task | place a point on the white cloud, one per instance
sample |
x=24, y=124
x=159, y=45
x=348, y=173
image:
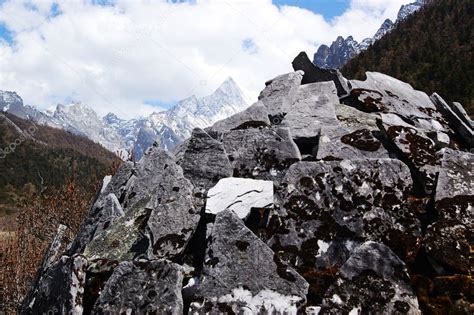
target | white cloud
x=115, y=57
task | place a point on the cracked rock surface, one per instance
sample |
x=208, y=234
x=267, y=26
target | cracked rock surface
x=327, y=195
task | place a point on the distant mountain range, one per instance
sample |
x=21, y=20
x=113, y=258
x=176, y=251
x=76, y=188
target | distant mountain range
x=121, y=136
x=342, y=50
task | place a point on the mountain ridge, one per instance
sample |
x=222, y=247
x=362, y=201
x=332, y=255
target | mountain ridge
x=169, y=127
x=342, y=50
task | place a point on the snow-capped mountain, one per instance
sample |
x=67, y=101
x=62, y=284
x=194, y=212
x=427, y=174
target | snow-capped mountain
x=409, y=9
x=13, y=103
x=118, y=135
x=342, y=50
x=171, y=127
x=82, y=120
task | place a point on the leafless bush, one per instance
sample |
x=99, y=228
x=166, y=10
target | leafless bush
x=22, y=251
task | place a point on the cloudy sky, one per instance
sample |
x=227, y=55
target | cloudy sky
x=133, y=57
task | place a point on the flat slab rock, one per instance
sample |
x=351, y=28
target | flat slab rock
x=459, y=110
x=372, y=281
x=337, y=143
x=142, y=287
x=242, y=274
x=255, y=115
x=382, y=93
x=239, y=195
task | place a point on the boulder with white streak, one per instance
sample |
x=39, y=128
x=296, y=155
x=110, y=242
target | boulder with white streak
x=239, y=195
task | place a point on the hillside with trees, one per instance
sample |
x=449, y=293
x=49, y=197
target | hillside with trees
x=432, y=50
x=35, y=159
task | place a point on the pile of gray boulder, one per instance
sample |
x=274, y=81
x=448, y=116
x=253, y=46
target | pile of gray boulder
x=326, y=196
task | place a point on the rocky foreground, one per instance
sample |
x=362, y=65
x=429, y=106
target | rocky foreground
x=327, y=195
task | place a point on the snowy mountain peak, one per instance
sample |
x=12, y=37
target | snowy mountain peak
x=409, y=9
x=386, y=27
x=8, y=99
x=169, y=128
x=111, y=119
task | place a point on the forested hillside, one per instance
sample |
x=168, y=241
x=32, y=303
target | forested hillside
x=36, y=158
x=432, y=50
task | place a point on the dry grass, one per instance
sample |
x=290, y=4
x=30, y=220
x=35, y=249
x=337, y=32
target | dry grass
x=22, y=251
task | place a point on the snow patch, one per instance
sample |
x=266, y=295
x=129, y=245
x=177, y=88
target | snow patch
x=271, y=301
x=105, y=183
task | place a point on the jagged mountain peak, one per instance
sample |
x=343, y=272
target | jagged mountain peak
x=111, y=118
x=342, y=50
x=169, y=127
x=409, y=9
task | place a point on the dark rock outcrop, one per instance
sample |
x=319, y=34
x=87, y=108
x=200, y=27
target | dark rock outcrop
x=295, y=205
x=314, y=74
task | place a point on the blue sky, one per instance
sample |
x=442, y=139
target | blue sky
x=328, y=8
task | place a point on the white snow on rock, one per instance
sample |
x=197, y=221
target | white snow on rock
x=271, y=301
x=239, y=195
x=105, y=182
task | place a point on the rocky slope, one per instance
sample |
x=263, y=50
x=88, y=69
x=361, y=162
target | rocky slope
x=170, y=127
x=342, y=50
x=326, y=196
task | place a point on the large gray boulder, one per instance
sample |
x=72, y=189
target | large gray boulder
x=142, y=287
x=280, y=93
x=204, y=160
x=353, y=196
x=313, y=109
x=372, y=281
x=105, y=209
x=329, y=207
x=447, y=244
x=262, y=153
x=159, y=219
x=382, y=93
x=242, y=274
x=352, y=118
